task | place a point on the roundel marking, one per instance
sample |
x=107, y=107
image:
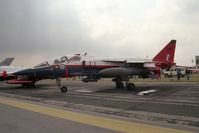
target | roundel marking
x=62, y=66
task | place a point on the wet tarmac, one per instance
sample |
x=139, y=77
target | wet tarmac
x=169, y=104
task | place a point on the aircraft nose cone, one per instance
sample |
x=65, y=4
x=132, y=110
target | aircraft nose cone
x=27, y=72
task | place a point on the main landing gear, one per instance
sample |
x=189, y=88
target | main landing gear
x=129, y=86
x=63, y=89
x=119, y=84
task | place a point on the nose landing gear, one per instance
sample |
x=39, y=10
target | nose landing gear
x=63, y=89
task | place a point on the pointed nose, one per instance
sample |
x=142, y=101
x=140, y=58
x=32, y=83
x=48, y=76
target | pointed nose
x=27, y=72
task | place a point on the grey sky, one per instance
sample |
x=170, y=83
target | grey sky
x=35, y=30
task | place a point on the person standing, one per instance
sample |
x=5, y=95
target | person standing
x=188, y=74
x=178, y=73
x=158, y=73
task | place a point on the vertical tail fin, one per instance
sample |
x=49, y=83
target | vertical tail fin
x=7, y=61
x=166, y=56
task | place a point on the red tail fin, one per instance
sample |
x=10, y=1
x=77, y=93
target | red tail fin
x=166, y=56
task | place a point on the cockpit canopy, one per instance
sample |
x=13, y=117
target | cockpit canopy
x=60, y=60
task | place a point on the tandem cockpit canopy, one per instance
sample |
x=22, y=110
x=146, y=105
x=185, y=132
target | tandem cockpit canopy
x=60, y=60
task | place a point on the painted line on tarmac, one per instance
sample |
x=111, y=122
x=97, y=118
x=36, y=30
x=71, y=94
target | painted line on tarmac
x=146, y=92
x=86, y=91
x=107, y=123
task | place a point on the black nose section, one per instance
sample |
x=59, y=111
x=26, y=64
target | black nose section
x=45, y=72
x=26, y=72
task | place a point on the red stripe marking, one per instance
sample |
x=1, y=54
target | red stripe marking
x=66, y=71
x=19, y=81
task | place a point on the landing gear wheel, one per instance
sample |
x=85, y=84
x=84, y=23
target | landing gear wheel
x=63, y=89
x=119, y=85
x=130, y=86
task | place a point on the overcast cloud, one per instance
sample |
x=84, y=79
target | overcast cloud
x=35, y=30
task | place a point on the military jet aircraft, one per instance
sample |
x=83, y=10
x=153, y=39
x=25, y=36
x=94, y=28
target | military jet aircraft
x=6, y=72
x=5, y=67
x=94, y=68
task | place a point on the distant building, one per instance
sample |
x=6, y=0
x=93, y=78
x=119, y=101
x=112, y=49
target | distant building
x=197, y=60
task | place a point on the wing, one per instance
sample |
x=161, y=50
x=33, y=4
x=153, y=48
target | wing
x=133, y=63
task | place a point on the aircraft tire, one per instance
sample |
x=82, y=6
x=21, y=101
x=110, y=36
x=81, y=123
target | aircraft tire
x=119, y=85
x=131, y=86
x=64, y=89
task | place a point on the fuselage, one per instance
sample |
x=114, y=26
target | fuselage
x=120, y=69
x=78, y=65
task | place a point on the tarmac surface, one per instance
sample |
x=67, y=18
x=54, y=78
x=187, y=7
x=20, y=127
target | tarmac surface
x=13, y=121
x=169, y=104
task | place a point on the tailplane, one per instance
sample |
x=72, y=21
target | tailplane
x=165, y=58
x=7, y=61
